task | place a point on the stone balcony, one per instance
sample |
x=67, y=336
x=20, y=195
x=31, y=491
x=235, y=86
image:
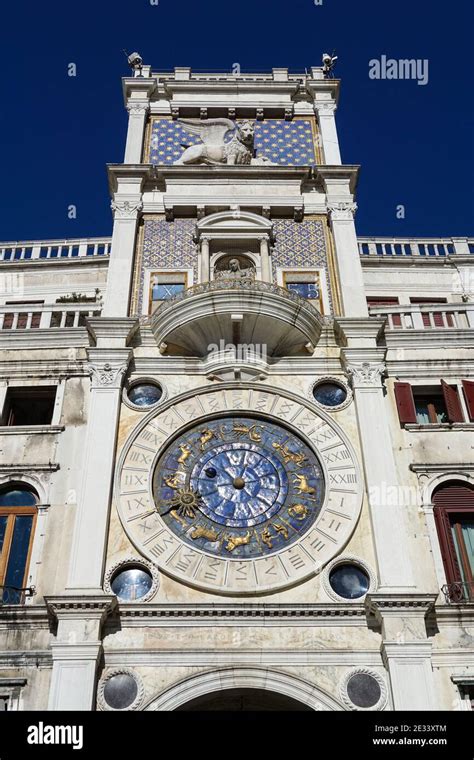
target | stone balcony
x=214, y=314
x=452, y=316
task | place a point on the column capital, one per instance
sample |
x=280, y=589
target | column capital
x=325, y=107
x=365, y=374
x=107, y=374
x=138, y=108
x=126, y=209
x=342, y=211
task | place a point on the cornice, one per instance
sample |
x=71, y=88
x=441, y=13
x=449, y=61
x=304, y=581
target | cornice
x=430, y=338
x=32, y=430
x=81, y=606
x=145, y=86
x=52, y=337
x=24, y=616
x=359, y=328
x=132, y=615
x=381, y=604
x=432, y=367
x=112, y=329
x=102, y=260
x=26, y=659
x=349, y=172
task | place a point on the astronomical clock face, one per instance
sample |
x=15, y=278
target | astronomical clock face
x=238, y=487
x=238, y=502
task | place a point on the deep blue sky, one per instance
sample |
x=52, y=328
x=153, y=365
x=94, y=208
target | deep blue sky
x=414, y=142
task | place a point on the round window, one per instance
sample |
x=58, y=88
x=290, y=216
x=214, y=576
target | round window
x=349, y=581
x=363, y=690
x=131, y=583
x=329, y=394
x=145, y=394
x=120, y=691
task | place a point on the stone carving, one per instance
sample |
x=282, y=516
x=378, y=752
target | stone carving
x=342, y=211
x=107, y=375
x=138, y=109
x=126, y=209
x=366, y=373
x=213, y=150
x=234, y=271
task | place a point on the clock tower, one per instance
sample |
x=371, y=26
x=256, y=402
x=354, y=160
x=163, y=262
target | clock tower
x=257, y=522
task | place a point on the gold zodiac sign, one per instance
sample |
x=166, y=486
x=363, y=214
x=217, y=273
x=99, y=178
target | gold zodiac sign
x=206, y=436
x=234, y=541
x=252, y=432
x=185, y=453
x=281, y=529
x=298, y=511
x=179, y=519
x=201, y=532
x=266, y=538
x=174, y=481
x=184, y=504
x=290, y=456
x=303, y=486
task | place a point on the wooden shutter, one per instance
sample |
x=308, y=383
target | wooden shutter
x=453, y=499
x=468, y=387
x=453, y=404
x=405, y=404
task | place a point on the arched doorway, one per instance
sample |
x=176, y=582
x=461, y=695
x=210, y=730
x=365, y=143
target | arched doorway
x=243, y=689
x=244, y=700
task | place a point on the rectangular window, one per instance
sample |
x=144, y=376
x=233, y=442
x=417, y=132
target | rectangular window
x=462, y=531
x=27, y=307
x=373, y=301
x=166, y=285
x=428, y=405
x=29, y=406
x=305, y=284
x=434, y=318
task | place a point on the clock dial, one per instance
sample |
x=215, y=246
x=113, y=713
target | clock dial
x=238, y=502
x=238, y=487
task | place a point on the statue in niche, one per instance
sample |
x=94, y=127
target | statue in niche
x=232, y=270
x=213, y=150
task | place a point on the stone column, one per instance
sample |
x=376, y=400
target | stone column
x=205, y=260
x=126, y=208
x=136, y=130
x=107, y=367
x=405, y=648
x=265, y=260
x=351, y=281
x=386, y=510
x=327, y=124
x=77, y=649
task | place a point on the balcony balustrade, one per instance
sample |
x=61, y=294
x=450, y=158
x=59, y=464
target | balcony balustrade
x=48, y=250
x=45, y=317
x=458, y=316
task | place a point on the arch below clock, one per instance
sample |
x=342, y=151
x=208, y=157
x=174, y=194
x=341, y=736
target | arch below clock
x=186, y=693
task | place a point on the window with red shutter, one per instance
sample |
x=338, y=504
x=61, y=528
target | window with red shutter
x=454, y=517
x=468, y=387
x=453, y=404
x=405, y=404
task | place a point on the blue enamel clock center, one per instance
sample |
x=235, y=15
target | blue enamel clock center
x=239, y=487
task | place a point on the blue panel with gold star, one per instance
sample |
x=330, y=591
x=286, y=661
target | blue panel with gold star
x=288, y=143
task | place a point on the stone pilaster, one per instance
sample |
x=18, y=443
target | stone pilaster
x=77, y=649
x=327, y=125
x=126, y=208
x=405, y=648
x=136, y=129
x=365, y=370
x=108, y=363
x=351, y=283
